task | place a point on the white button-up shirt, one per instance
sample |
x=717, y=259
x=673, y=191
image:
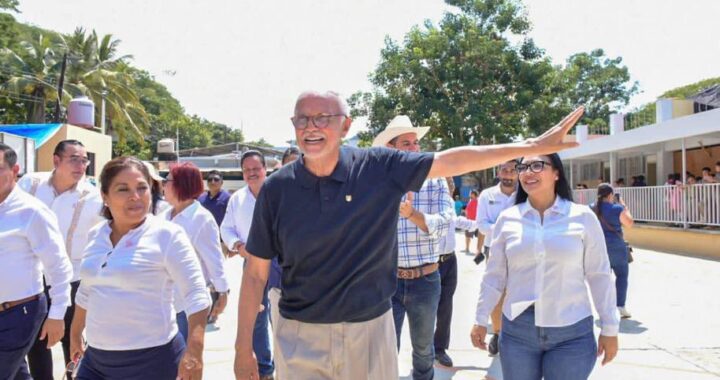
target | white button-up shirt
x=30, y=244
x=200, y=227
x=64, y=205
x=547, y=264
x=447, y=242
x=127, y=289
x=238, y=217
x=491, y=203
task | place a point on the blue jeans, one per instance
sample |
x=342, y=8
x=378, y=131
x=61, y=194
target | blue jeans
x=530, y=352
x=419, y=299
x=19, y=328
x=261, y=339
x=622, y=271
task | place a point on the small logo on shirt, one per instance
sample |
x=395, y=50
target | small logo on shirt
x=348, y=198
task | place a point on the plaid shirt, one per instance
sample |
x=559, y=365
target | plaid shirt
x=416, y=247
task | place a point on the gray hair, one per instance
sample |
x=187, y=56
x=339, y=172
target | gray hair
x=341, y=102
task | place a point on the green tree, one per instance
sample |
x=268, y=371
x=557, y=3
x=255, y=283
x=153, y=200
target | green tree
x=467, y=80
x=31, y=73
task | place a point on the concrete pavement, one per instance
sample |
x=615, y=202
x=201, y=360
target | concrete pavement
x=674, y=332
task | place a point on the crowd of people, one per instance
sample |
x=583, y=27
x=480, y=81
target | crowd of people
x=340, y=246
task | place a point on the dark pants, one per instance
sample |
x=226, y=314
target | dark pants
x=448, y=283
x=419, y=299
x=622, y=272
x=157, y=363
x=40, y=357
x=261, y=338
x=19, y=328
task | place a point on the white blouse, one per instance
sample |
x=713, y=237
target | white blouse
x=200, y=226
x=127, y=290
x=548, y=264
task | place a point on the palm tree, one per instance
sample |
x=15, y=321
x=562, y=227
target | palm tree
x=98, y=72
x=31, y=73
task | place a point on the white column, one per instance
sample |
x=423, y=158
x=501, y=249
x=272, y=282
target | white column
x=613, y=167
x=684, y=180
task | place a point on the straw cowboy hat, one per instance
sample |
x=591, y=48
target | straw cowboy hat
x=400, y=125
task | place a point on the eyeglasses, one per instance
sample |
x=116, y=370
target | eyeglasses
x=319, y=121
x=214, y=179
x=535, y=166
x=78, y=160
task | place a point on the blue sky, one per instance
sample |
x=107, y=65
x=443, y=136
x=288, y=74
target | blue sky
x=243, y=63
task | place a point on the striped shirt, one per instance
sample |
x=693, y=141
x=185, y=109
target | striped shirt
x=416, y=247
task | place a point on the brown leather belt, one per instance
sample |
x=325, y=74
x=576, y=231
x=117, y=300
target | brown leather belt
x=416, y=272
x=10, y=304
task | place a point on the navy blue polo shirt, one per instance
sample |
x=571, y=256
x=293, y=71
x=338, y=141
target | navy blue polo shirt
x=216, y=205
x=336, y=237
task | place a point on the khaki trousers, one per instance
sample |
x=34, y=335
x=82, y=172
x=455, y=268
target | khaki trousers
x=336, y=351
x=274, y=297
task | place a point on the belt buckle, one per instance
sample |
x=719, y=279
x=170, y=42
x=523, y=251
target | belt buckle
x=4, y=306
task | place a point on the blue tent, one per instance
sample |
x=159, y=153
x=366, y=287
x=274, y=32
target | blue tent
x=38, y=132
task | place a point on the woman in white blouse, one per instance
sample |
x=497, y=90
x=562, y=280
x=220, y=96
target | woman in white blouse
x=131, y=265
x=183, y=185
x=543, y=252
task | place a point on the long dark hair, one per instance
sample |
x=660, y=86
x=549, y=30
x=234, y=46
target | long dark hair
x=562, y=186
x=603, y=190
x=112, y=168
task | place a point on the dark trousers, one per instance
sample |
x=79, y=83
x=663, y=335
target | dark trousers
x=40, y=357
x=448, y=283
x=19, y=328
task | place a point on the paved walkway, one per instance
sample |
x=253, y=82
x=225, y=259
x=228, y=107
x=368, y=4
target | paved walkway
x=674, y=332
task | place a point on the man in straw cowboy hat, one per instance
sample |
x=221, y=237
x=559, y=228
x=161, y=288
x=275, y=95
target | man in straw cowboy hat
x=424, y=220
x=331, y=219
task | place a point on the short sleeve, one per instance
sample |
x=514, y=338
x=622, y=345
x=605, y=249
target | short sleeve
x=261, y=239
x=407, y=169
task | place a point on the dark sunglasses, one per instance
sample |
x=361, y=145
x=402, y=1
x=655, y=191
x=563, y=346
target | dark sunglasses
x=214, y=179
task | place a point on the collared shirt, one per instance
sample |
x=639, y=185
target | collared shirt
x=336, y=237
x=30, y=245
x=415, y=246
x=64, y=206
x=447, y=242
x=547, y=264
x=236, y=227
x=491, y=203
x=127, y=289
x=217, y=205
x=198, y=224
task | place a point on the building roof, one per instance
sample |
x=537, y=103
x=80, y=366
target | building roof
x=226, y=149
x=41, y=133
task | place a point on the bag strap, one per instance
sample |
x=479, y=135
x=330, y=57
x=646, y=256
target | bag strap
x=609, y=227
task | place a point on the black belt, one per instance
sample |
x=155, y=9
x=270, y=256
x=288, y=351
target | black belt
x=10, y=304
x=445, y=257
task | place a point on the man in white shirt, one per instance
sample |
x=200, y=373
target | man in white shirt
x=491, y=203
x=234, y=231
x=424, y=221
x=31, y=242
x=77, y=205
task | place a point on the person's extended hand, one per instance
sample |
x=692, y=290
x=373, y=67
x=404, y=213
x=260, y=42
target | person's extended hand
x=219, y=305
x=246, y=367
x=477, y=336
x=191, y=364
x=53, y=329
x=609, y=346
x=406, y=208
x=238, y=249
x=77, y=349
x=553, y=139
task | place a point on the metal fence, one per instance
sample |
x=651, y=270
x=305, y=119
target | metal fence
x=685, y=205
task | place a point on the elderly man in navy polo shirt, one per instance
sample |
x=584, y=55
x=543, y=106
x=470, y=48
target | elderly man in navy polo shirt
x=424, y=220
x=331, y=219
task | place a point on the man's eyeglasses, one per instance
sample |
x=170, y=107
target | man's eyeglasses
x=78, y=160
x=535, y=166
x=214, y=179
x=319, y=121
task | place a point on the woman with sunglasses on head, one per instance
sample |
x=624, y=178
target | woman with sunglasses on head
x=132, y=264
x=182, y=186
x=543, y=252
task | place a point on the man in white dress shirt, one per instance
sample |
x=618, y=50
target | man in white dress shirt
x=77, y=205
x=234, y=231
x=31, y=244
x=491, y=203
